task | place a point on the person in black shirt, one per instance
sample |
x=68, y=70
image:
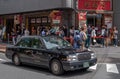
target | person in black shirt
x=13, y=36
x=65, y=30
x=18, y=33
x=88, y=41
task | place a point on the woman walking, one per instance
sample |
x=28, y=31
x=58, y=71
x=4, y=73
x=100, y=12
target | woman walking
x=115, y=36
x=93, y=35
x=83, y=37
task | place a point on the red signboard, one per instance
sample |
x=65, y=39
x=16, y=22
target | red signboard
x=82, y=15
x=56, y=16
x=94, y=5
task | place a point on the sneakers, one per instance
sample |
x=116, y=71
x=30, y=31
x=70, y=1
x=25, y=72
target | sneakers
x=102, y=46
x=88, y=49
x=116, y=46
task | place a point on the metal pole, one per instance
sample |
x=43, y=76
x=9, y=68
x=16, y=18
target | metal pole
x=8, y=38
x=94, y=20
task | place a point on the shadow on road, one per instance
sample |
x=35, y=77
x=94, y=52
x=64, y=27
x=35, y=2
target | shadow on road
x=46, y=71
x=112, y=60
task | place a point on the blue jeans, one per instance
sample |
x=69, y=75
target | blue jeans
x=76, y=46
x=115, y=42
x=88, y=42
x=103, y=41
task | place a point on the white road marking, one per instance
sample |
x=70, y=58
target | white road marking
x=2, y=60
x=112, y=68
x=93, y=67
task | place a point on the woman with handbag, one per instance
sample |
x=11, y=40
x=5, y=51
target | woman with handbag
x=93, y=35
x=83, y=37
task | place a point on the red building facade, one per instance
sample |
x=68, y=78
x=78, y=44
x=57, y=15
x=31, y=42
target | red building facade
x=98, y=12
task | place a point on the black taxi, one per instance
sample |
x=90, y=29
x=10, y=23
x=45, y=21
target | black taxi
x=52, y=52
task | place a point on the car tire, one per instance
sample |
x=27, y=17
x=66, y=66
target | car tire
x=56, y=67
x=16, y=60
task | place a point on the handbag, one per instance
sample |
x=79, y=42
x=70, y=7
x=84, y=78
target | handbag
x=94, y=40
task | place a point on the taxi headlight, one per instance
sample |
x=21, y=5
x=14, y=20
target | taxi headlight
x=93, y=55
x=72, y=58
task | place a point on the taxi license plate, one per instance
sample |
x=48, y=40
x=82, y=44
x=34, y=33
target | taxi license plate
x=86, y=64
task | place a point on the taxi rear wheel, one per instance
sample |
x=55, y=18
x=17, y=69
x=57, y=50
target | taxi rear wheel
x=16, y=60
x=56, y=67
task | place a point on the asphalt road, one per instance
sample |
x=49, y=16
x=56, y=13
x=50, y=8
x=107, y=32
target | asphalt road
x=108, y=67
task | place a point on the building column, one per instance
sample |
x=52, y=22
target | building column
x=26, y=22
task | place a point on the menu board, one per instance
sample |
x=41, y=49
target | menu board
x=38, y=20
x=44, y=20
x=33, y=20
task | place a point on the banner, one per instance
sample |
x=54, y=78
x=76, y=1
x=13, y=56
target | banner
x=17, y=19
x=94, y=5
x=56, y=16
x=82, y=15
x=82, y=18
x=108, y=21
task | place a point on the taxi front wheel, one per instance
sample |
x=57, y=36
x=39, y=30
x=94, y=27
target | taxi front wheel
x=16, y=60
x=56, y=67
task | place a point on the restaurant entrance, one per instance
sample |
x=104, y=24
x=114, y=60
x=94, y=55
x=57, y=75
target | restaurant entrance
x=95, y=20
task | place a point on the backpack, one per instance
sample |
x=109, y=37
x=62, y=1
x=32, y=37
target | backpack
x=89, y=31
x=83, y=37
x=78, y=40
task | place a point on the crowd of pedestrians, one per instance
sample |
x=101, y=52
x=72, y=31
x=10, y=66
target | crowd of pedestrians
x=43, y=31
x=89, y=35
x=80, y=38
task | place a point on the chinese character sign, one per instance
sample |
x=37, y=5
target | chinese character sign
x=56, y=16
x=82, y=15
x=82, y=18
x=16, y=19
x=94, y=4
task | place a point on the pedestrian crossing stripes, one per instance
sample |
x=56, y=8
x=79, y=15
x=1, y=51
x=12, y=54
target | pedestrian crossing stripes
x=111, y=68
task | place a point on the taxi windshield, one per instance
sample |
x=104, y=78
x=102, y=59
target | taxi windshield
x=54, y=41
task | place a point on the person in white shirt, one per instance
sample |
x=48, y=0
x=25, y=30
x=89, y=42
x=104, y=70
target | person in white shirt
x=105, y=36
x=26, y=32
x=93, y=35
